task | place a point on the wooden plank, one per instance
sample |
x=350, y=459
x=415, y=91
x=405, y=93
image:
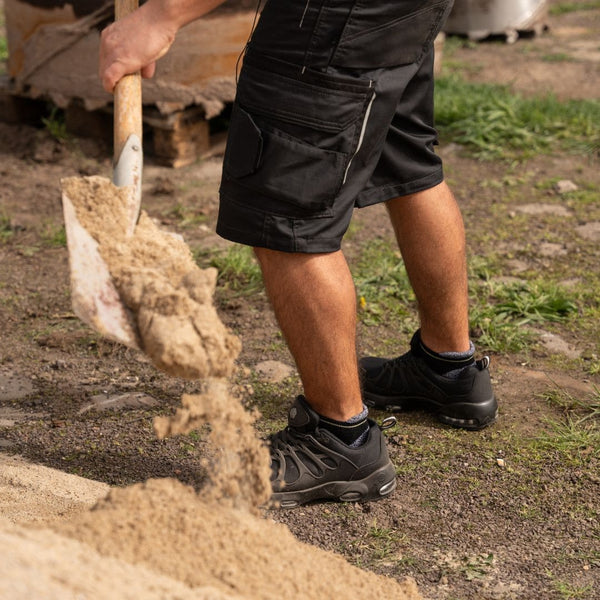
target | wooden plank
x=181, y=138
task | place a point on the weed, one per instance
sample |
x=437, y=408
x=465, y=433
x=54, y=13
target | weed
x=3, y=51
x=54, y=236
x=186, y=216
x=477, y=567
x=495, y=123
x=384, y=541
x=238, y=269
x=499, y=311
x=55, y=124
x=578, y=433
x=569, y=591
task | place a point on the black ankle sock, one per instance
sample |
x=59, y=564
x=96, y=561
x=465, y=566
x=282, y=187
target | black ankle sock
x=444, y=363
x=352, y=432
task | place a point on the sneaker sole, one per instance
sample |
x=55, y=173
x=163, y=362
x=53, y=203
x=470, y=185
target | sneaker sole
x=464, y=415
x=377, y=486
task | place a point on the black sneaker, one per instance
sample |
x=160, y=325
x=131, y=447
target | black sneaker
x=407, y=382
x=309, y=463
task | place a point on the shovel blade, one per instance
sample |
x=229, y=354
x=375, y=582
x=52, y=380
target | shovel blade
x=94, y=296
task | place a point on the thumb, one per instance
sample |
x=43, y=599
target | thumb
x=149, y=70
x=111, y=76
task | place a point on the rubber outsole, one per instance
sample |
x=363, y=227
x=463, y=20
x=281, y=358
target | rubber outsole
x=377, y=486
x=463, y=415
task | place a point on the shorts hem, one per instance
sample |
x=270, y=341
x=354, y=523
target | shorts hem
x=263, y=230
x=388, y=192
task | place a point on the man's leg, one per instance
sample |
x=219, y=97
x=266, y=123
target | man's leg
x=330, y=450
x=430, y=233
x=314, y=301
x=439, y=372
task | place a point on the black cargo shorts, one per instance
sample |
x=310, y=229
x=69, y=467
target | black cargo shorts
x=334, y=110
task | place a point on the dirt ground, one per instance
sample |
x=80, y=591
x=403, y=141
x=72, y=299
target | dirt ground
x=486, y=515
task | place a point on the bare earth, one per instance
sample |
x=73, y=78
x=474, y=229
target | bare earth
x=476, y=516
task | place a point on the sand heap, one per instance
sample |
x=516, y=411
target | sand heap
x=169, y=296
x=162, y=539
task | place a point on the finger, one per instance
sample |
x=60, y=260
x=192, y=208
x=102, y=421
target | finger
x=111, y=76
x=149, y=70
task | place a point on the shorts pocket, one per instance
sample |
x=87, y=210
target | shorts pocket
x=388, y=34
x=292, y=135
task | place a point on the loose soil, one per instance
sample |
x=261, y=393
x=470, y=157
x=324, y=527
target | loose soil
x=486, y=515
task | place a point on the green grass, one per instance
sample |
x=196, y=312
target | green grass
x=382, y=285
x=577, y=434
x=501, y=311
x=55, y=124
x=494, y=123
x=557, y=57
x=54, y=236
x=238, y=269
x=569, y=7
x=3, y=42
x=569, y=591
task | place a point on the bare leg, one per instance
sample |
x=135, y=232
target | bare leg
x=314, y=301
x=430, y=233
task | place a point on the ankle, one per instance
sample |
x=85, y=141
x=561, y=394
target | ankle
x=443, y=363
x=352, y=432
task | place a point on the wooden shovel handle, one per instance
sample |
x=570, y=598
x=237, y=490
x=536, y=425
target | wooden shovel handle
x=128, y=94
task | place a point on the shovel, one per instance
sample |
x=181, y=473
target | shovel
x=94, y=296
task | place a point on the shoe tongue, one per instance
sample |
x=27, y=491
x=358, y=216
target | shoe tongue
x=302, y=416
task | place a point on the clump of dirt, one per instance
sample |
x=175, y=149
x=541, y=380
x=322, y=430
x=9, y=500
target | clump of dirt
x=157, y=279
x=240, y=470
x=165, y=526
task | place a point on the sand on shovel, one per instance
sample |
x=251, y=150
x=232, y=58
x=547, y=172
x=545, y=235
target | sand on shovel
x=154, y=272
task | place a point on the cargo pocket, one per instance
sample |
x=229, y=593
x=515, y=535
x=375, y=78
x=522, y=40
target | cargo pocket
x=388, y=34
x=292, y=135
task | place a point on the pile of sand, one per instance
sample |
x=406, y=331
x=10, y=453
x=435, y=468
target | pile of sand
x=162, y=539
x=169, y=296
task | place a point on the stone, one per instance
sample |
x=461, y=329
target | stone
x=564, y=186
x=543, y=209
x=102, y=402
x=274, y=371
x=589, y=231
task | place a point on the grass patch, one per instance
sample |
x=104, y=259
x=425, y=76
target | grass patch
x=570, y=591
x=557, y=57
x=384, y=541
x=186, y=216
x=577, y=434
x=238, y=268
x=493, y=122
x=501, y=311
x=382, y=285
x=54, y=236
x=568, y=7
